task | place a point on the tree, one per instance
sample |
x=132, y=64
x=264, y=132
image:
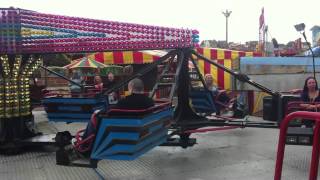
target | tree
x=55, y=60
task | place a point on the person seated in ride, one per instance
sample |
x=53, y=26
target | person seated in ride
x=110, y=81
x=114, y=96
x=74, y=88
x=310, y=94
x=219, y=97
x=98, y=84
x=136, y=100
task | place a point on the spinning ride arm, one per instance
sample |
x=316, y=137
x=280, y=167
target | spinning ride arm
x=143, y=71
x=63, y=77
x=239, y=76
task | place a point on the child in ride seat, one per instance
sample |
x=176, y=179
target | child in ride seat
x=98, y=84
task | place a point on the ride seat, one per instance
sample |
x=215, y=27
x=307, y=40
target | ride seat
x=202, y=102
x=127, y=134
x=72, y=109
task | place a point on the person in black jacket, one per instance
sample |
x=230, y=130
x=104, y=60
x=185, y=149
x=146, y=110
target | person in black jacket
x=136, y=100
x=110, y=82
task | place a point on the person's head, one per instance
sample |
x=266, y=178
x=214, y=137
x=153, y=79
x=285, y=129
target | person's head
x=97, y=80
x=310, y=84
x=208, y=79
x=110, y=76
x=136, y=86
x=128, y=70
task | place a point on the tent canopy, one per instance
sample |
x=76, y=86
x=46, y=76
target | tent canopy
x=86, y=62
x=71, y=64
x=127, y=57
x=224, y=57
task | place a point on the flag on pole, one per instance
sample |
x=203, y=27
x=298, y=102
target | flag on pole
x=262, y=32
x=261, y=19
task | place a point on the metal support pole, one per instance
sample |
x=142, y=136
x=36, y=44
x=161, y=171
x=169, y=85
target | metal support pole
x=61, y=76
x=227, y=14
x=227, y=30
x=239, y=76
x=313, y=62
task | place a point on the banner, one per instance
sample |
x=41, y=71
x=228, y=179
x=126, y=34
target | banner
x=124, y=57
x=261, y=19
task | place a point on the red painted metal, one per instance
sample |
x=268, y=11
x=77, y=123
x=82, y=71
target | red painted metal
x=315, y=116
x=315, y=153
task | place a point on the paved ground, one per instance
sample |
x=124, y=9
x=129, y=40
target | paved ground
x=239, y=154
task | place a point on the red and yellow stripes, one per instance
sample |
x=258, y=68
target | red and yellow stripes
x=124, y=57
x=86, y=63
x=224, y=57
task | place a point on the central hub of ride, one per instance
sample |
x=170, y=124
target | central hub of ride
x=15, y=106
x=25, y=33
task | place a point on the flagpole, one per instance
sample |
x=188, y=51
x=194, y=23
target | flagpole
x=262, y=31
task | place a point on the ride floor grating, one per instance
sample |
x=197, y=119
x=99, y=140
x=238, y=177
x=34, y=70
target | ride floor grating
x=238, y=154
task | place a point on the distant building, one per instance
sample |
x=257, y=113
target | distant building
x=315, y=35
x=214, y=44
x=251, y=45
x=209, y=43
x=222, y=44
x=273, y=48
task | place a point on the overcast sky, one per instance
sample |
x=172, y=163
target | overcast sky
x=203, y=15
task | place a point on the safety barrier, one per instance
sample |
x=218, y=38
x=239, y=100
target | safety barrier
x=315, y=147
x=202, y=102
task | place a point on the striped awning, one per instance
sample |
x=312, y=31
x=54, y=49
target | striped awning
x=86, y=62
x=224, y=57
x=71, y=64
x=127, y=57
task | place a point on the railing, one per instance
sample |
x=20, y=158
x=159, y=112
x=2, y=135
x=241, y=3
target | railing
x=66, y=93
x=315, y=116
x=293, y=106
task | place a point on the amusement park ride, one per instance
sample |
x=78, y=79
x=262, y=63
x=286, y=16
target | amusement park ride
x=25, y=35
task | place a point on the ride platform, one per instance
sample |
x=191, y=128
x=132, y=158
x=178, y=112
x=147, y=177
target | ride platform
x=236, y=154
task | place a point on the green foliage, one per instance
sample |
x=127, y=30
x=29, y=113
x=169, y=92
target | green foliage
x=56, y=60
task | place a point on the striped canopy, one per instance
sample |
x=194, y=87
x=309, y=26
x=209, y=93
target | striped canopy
x=128, y=57
x=71, y=64
x=85, y=62
x=227, y=58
